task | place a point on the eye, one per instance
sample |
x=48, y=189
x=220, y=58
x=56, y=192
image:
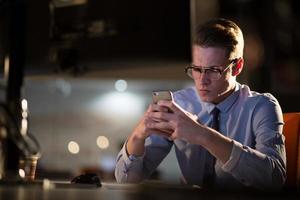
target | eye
x=213, y=70
x=197, y=69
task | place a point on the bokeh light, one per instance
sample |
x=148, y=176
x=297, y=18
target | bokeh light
x=102, y=142
x=73, y=147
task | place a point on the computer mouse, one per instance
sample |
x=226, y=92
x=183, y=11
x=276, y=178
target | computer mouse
x=90, y=178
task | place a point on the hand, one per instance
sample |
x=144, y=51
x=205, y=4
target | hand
x=178, y=123
x=136, y=141
x=181, y=124
x=142, y=131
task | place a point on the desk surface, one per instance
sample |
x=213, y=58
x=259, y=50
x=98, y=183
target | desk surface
x=113, y=191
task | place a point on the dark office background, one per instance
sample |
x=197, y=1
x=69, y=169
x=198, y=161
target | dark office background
x=78, y=36
x=70, y=52
x=107, y=31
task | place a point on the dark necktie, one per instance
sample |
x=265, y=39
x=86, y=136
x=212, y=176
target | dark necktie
x=209, y=176
x=215, y=121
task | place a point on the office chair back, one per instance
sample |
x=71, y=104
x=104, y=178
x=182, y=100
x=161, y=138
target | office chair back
x=291, y=131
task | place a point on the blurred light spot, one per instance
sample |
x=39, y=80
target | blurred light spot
x=61, y=87
x=121, y=85
x=24, y=126
x=24, y=122
x=47, y=184
x=24, y=105
x=117, y=105
x=73, y=147
x=24, y=114
x=3, y=134
x=102, y=142
x=22, y=173
x=6, y=67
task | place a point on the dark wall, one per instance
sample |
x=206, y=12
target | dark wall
x=133, y=29
x=275, y=26
x=161, y=29
x=37, y=33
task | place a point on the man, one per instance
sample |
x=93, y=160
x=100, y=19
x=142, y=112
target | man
x=236, y=138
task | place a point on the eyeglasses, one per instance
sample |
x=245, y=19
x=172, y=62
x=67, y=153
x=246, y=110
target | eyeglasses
x=213, y=72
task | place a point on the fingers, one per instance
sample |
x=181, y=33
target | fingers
x=175, y=108
x=153, y=119
x=171, y=105
x=172, y=124
x=160, y=116
x=150, y=123
x=159, y=128
x=157, y=108
x=162, y=126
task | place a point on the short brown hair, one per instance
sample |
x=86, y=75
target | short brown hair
x=221, y=33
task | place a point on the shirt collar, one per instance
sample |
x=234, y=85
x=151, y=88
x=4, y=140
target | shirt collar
x=226, y=104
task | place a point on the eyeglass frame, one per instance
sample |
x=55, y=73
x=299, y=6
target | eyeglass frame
x=202, y=70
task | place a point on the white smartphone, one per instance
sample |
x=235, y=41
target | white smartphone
x=162, y=95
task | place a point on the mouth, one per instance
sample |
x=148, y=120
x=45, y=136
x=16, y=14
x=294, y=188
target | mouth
x=204, y=91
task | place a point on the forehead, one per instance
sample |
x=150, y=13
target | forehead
x=206, y=56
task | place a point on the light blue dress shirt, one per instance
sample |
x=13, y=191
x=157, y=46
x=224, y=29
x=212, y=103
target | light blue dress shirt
x=252, y=120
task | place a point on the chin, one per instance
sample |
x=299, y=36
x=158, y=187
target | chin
x=204, y=98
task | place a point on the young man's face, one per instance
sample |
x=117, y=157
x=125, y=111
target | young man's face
x=212, y=90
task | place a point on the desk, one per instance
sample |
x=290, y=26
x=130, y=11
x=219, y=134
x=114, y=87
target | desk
x=113, y=191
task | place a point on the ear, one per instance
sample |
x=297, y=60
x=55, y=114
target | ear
x=236, y=70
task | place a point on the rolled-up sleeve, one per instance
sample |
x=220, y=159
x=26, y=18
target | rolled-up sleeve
x=128, y=170
x=263, y=166
x=134, y=170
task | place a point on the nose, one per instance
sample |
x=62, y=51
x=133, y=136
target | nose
x=203, y=78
